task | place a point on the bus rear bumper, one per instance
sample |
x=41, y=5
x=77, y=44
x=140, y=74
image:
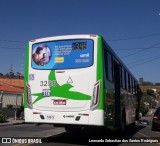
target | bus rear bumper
x=88, y=117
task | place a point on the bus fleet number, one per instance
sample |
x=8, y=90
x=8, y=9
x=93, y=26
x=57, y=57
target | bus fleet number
x=47, y=83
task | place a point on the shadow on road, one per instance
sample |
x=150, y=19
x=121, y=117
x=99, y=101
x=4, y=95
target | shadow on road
x=94, y=136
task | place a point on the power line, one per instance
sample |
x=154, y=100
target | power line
x=134, y=49
x=146, y=59
x=12, y=48
x=120, y=39
x=144, y=49
x=133, y=38
x=12, y=41
x=145, y=62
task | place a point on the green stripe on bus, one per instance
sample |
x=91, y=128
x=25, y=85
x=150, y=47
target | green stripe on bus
x=26, y=75
x=100, y=72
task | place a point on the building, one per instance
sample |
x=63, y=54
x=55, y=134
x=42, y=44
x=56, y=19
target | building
x=11, y=93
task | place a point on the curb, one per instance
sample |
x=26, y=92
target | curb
x=11, y=123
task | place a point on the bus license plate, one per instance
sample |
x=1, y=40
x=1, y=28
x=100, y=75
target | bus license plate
x=49, y=117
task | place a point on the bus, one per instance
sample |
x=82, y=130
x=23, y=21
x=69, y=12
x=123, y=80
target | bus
x=78, y=81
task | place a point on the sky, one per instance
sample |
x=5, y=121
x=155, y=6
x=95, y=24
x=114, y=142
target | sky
x=130, y=27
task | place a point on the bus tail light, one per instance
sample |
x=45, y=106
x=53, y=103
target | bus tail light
x=95, y=97
x=29, y=97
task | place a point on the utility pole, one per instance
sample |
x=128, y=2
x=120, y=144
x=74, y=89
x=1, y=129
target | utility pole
x=11, y=74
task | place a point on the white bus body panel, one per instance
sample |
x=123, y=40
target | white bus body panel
x=85, y=117
x=82, y=80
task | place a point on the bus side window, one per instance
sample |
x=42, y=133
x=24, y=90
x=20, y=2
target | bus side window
x=129, y=83
x=123, y=78
x=135, y=86
x=110, y=66
x=126, y=75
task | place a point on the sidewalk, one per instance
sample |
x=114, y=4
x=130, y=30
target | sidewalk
x=12, y=121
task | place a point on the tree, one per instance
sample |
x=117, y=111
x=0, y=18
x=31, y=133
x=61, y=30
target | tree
x=147, y=101
x=3, y=117
x=7, y=75
x=143, y=109
x=18, y=75
x=11, y=75
x=150, y=92
x=157, y=84
x=1, y=74
x=146, y=84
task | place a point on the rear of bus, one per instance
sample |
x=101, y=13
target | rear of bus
x=64, y=80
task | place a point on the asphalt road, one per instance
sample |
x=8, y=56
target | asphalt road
x=50, y=135
x=133, y=136
x=28, y=131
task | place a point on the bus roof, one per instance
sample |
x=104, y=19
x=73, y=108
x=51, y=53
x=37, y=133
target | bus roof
x=66, y=37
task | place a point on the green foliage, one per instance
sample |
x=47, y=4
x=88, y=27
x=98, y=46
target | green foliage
x=143, y=109
x=157, y=84
x=154, y=104
x=147, y=101
x=146, y=84
x=12, y=75
x=21, y=108
x=3, y=117
x=9, y=106
x=150, y=92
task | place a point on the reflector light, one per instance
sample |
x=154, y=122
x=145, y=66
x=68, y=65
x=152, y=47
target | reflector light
x=36, y=113
x=60, y=71
x=85, y=114
x=95, y=97
x=28, y=94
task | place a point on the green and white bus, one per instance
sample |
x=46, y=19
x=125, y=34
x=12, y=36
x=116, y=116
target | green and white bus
x=76, y=81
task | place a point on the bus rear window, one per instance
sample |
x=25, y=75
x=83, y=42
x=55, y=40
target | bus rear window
x=66, y=54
